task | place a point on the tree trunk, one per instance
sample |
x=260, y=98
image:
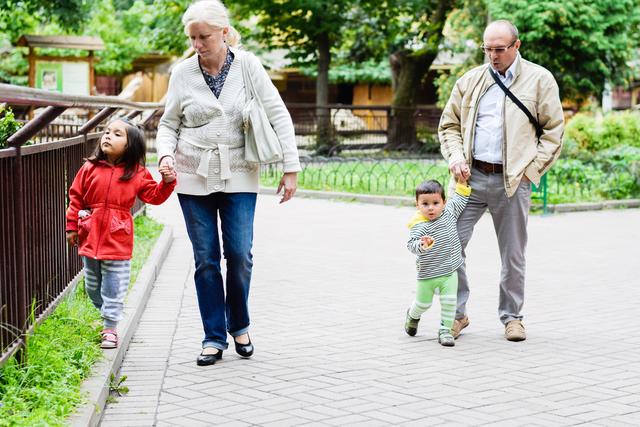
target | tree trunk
x=407, y=71
x=324, y=142
x=408, y=68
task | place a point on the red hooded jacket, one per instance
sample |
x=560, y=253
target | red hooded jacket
x=107, y=233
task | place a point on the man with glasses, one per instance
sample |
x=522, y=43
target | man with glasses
x=490, y=140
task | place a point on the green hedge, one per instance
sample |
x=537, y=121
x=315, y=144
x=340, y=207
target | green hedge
x=587, y=133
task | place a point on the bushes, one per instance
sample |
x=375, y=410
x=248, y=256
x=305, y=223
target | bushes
x=600, y=158
x=595, y=133
x=8, y=125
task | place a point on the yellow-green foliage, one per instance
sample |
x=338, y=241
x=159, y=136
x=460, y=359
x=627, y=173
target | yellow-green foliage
x=596, y=132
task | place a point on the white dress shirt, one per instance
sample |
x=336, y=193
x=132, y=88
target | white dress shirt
x=487, y=144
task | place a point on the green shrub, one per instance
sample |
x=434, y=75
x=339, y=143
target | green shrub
x=588, y=133
x=580, y=131
x=8, y=125
x=620, y=129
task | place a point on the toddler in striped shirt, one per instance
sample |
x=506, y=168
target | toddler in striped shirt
x=434, y=239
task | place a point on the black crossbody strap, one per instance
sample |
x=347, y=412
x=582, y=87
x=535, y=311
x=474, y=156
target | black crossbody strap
x=520, y=105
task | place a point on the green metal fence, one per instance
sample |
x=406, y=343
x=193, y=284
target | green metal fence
x=566, y=182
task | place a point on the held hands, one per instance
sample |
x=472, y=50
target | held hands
x=461, y=171
x=168, y=173
x=167, y=170
x=72, y=238
x=426, y=241
x=289, y=182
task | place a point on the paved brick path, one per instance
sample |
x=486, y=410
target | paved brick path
x=332, y=282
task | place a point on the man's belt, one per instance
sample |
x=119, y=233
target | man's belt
x=487, y=167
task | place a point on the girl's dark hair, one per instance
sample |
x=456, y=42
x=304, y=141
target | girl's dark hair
x=134, y=153
x=430, y=187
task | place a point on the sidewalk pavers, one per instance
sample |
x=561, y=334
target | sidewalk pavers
x=331, y=284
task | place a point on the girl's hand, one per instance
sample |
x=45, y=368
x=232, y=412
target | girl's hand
x=289, y=182
x=72, y=238
x=168, y=173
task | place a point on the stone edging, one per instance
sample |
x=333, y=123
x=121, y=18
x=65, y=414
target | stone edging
x=96, y=387
x=409, y=201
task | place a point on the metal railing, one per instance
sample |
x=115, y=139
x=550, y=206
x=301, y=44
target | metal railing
x=37, y=266
x=388, y=176
x=362, y=127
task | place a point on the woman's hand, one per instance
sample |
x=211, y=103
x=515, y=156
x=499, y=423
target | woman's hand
x=289, y=182
x=168, y=173
x=166, y=162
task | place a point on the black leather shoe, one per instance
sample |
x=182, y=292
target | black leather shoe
x=244, y=350
x=208, y=359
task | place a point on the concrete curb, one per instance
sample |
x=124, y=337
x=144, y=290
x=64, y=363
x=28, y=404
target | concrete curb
x=96, y=387
x=410, y=201
x=607, y=204
x=349, y=197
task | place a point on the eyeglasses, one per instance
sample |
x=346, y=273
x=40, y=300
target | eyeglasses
x=497, y=50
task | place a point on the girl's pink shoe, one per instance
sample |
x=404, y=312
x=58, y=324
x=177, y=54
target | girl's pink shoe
x=109, y=338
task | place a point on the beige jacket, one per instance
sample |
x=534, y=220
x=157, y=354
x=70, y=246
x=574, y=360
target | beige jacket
x=522, y=152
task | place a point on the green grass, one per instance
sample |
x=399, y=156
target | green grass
x=389, y=177
x=152, y=159
x=568, y=181
x=61, y=352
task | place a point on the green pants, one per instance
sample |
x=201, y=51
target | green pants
x=447, y=287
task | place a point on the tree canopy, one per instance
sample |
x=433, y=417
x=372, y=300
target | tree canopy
x=583, y=43
x=129, y=29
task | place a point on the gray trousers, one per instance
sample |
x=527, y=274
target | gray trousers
x=106, y=283
x=510, y=215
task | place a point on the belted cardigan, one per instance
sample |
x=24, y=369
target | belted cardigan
x=205, y=134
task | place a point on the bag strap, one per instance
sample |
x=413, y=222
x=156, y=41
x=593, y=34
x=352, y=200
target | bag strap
x=520, y=105
x=246, y=76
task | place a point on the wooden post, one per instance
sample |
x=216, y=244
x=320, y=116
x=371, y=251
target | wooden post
x=32, y=68
x=92, y=84
x=32, y=76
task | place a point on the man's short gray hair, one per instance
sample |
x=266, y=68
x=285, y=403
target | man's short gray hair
x=505, y=24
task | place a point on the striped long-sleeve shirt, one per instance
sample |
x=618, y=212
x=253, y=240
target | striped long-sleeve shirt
x=444, y=256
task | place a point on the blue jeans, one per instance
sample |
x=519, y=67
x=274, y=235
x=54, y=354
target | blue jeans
x=236, y=210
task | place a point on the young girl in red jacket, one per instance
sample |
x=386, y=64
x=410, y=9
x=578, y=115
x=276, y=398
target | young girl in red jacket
x=99, y=217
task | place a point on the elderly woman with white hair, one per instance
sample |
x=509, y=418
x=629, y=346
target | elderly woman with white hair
x=201, y=133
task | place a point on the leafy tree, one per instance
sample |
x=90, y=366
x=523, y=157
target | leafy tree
x=69, y=14
x=463, y=33
x=409, y=33
x=32, y=17
x=129, y=28
x=583, y=43
x=118, y=30
x=144, y=27
x=308, y=29
x=163, y=30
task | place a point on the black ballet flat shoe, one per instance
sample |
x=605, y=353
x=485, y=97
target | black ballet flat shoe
x=244, y=350
x=208, y=359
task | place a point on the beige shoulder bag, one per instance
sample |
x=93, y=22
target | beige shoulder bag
x=261, y=144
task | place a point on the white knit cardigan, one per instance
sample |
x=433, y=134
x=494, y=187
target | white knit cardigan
x=205, y=135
